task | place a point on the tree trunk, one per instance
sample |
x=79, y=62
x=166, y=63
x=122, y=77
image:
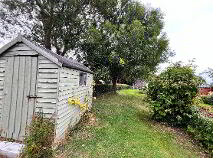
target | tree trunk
x=47, y=40
x=47, y=20
x=114, y=83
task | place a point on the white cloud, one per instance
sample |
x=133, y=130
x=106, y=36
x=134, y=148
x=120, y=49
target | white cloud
x=189, y=26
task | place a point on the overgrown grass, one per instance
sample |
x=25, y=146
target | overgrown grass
x=120, y=126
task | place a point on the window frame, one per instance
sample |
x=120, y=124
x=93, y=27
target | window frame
x=82, y=78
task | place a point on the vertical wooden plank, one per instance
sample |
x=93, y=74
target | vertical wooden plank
x=7, y=98
x=27, y=80
x=31, y=107
x=2, y=78
x=19, y=99
x=14, y=97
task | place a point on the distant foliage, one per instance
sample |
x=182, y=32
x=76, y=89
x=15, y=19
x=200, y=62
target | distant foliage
x=100, y=89
x=38, y=143
x=172, y=93
x=208, y=99
x=202, y=130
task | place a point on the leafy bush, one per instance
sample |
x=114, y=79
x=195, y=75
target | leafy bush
x=105, y=88
x=38, y=143
x=202, y=130
x=208, y=99
x=172, y=93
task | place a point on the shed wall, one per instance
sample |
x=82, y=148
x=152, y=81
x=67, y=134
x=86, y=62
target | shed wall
x=46, y=82
x=20, y=71
x=3, y=62
x=69, y=115
x=47, y=79
x=54, y=85
x=47, y=87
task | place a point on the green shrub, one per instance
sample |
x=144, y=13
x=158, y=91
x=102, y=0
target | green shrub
x=208, y=99
x=202, y=129
x=105, y=88
x=38, y=143
x=172, y=93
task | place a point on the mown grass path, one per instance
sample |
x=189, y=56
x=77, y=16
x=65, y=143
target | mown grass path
x=120, y=126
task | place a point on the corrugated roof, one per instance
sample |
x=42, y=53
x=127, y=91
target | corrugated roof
x=59, y=60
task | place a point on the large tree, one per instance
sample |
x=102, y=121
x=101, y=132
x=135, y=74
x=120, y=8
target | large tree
x=126, y=38
x=121, y=37
x=52, y=23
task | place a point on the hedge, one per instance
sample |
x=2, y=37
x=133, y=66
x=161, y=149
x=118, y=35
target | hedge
x=208, y=99
x=100, y=89
x=172, y=93
x=202, y=129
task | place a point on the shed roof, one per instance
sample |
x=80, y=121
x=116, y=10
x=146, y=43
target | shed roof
x=57, y=59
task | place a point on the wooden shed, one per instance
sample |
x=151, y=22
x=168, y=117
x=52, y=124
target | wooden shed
x=34, y=79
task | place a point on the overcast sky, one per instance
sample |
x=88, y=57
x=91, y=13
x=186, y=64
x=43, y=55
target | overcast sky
x=189, y=26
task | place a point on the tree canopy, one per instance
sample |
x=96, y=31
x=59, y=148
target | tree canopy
x=125, y=38
x=119, y=38
x=52, y=23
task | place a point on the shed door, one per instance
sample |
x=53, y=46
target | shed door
x=20, y=85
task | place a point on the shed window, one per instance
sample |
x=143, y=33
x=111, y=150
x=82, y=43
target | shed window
x=83, y=79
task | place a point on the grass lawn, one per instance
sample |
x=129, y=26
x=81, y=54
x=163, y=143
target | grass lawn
x=120, y=126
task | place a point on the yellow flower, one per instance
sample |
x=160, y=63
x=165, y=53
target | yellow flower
x=72, y=101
